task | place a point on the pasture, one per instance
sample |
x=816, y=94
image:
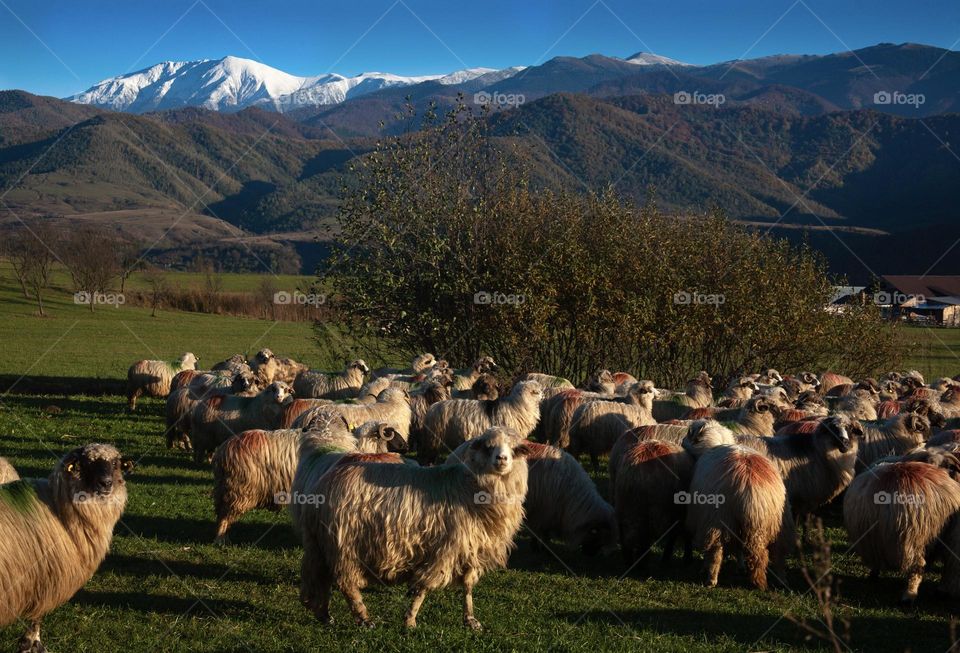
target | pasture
x=165, y=587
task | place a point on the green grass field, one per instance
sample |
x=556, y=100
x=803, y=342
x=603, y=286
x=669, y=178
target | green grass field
x=165, y=587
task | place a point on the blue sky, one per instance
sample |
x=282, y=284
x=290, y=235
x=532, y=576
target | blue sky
x=58, y=48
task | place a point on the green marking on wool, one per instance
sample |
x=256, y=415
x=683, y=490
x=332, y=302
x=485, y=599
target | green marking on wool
x=557, y=382
x=733, y=426
x=19, y=495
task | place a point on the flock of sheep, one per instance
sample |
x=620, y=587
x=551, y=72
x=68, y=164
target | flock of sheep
x=731, y=470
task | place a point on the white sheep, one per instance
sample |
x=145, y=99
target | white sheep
x=561, y=500
x=255, y=469
x=596, y=425
x=329, y=385
x=55, y=532
x=217, y=418
x=152, y=378
x=452, y=422
x=464, y=379
x=392, y=407
x=424, y=527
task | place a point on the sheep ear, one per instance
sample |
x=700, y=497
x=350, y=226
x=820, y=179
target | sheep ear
x=71, y=464
x=126, y=465
x=522, y=451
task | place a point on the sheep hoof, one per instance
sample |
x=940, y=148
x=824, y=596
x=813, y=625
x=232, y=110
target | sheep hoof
x=472, y=624
x=908, y=603
x=31, y=646
x=410, y=623
x=366, y=623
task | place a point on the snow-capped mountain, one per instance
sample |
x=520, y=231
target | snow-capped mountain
x=650, y=59
x=232, y=83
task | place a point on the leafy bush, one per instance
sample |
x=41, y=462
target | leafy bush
x=444, y=247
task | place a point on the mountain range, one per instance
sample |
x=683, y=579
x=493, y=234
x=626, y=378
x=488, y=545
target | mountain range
x=797, y=145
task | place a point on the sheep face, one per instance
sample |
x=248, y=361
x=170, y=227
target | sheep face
x=242, y=382
x=840, y=432
x=263, y=357
x=810, y=379
x=94, y=475
x=495, y=451
x=924, y=408
x=280, y=392
x=423, y=362
x=392, y=437
x=358, y=364
x=917, y=424
x=771, y=376
x=759, y=405
x=189, y=361
x=529, y=390
x=485, y=364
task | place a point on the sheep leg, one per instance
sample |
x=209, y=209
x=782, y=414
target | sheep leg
x=316, y=580
x=418, y=594
x=469, y=580
x=359, y=610
x=712, y=556
x=914, y=576
x=757, y=558
x=132, y=399
x=30, y=642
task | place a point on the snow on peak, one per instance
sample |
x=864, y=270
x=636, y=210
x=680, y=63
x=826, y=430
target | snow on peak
x=650, y=59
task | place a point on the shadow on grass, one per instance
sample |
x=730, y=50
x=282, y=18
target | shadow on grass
x=154, y=603
x=126, y=565
x=867, y=633
x=202, y=531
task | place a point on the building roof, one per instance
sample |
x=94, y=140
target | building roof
x=931, y=285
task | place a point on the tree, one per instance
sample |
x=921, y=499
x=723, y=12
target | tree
x=444, y=247
x=31, y=252
x=129, y=261
x=90, y=254
x=157, y=281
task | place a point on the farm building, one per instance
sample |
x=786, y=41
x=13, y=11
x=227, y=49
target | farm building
x=931, y=299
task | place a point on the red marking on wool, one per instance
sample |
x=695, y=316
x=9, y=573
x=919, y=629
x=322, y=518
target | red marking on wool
x=924, y=393
x=750, y=468
x=538, y=450
x=247, y=442
x=701, y=413
x=792, y=415
x=908, y=478
x=803, y=427
x=215, y=401
x=649, y=450
x=888, y=408
x=359, y=458
x=676, y=422
x=621, y=377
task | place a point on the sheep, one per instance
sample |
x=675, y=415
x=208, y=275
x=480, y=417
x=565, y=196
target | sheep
x=770, y=377
x=830, y=379
x=738, y=391
x=152, y=378
x=596, y=425
x=815, y=469
x=391, y=407
x=428, y=394
x=556, y=414
x=551, y=384
x=895, y=436
x=486, y=387
x=803, y=381
x=698, y=395
x=561, y=500
x=943, y=383
x=56, y=532
x=669, y=433
x=738, y=498
x=217, y=418
x=895, y=513
x=235, y=364
x=756, y=417
x=425, y=527
x=944, y=437
x=255, y=469
x=448, y=423
x=464, y=379
x=180, y=402
x=860, y=404
x=8, y=473
x=419, y=365
x=323, y=385
x=622, y=382
x=294, y=409
x=269, y=368
x=651, y=476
